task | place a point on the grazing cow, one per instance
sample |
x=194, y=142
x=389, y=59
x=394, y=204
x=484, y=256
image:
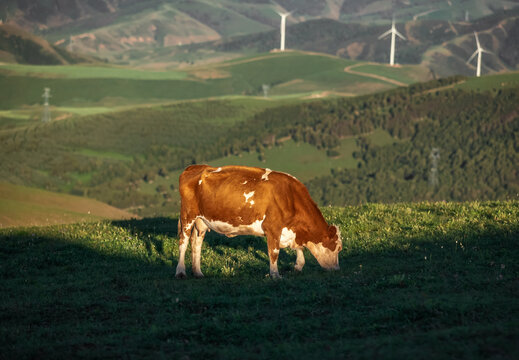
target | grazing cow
x=239, y=200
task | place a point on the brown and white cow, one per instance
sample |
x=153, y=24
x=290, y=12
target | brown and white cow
x=239, y=200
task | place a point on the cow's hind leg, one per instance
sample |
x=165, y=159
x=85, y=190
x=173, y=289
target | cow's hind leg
x=273, y=249
x=197, y=238
x=184, y=231
x=300, y=261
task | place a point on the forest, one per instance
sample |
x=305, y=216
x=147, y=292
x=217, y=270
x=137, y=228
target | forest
x=109, y=156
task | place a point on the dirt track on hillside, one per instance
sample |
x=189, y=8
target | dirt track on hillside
x=349, y=70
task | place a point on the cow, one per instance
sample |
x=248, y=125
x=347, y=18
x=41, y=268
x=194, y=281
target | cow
x=240, y=200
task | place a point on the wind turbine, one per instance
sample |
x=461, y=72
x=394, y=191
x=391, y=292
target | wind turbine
x=283, y=24
x=393, y=31
x=479, y=51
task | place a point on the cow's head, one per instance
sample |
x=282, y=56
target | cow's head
x=327, y=251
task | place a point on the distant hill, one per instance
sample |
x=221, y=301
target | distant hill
x=20, y=46
x=442, y=46
x=151, y=31
x=23, y=206
x=288, y=73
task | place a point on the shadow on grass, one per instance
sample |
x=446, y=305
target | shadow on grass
x=67, y=293
x=152, y=232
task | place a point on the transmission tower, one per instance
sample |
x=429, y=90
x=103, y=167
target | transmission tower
x=46, y=112
x=433, y=176
x=266, y=89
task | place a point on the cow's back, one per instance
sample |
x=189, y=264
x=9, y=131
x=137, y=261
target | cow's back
x=241, y=195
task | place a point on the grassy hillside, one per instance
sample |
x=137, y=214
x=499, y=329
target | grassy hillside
x=428, y=280
x=131, y=159
x=159, y=33
x=23, y=206
x=441, y=45
x=95, y=86
x=20, y=46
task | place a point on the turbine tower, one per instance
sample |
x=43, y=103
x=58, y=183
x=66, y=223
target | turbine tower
x=283, y=24
x=393, y=31
x=479, y=51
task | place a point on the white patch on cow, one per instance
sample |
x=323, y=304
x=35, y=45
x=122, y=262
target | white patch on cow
x=248, y=196
x=275, y=251
x=292, y=176
x=265, y=176
x=217, y=170
x=187, y=227
x=227, y=229
x=287, y=238
x=325, y=257
x=200, y=182
x=243, y=183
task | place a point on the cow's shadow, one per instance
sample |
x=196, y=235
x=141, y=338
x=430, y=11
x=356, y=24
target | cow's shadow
x=153, y=232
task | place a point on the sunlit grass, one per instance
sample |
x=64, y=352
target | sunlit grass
x=427, y=280
x=91, y=72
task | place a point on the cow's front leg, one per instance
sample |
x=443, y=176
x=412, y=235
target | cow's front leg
x=184, y=231
x=197, y=238
x=300, y=261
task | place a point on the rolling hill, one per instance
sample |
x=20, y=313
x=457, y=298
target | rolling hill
x=24, y=206
x=20, y=46
x=439, y=45
x=159, y=32
x=131, y=159
x=286, y=74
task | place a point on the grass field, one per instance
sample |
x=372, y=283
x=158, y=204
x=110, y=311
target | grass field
x=301, y=160
x=491, y=82
x=407, y=74
x=427, y=280
x=100, y=87
x=90, y=72
x=20, y=205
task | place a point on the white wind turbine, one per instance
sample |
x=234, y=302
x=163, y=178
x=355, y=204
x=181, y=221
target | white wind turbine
x=393, y=31
x=479, y=51
x=283, y=25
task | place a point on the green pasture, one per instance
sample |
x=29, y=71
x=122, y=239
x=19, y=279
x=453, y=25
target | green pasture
x=302, y=160
x=426, y=280
x=104, y=154
x=74, y=87
x=407, y=74
x=491, y=82
x=89, y=72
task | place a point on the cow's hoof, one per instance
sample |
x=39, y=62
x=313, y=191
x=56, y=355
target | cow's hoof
x=198, y=275
x=298, y=268
x=275, y=276
x=181, y=275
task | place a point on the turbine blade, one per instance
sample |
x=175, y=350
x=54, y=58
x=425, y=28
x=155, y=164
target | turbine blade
x=385, y=34
x=477, y=40
x=486, y=51
x=472, y=57
x=400, y=35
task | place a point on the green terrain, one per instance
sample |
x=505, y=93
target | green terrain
x=132, y=158
x=427, y=280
